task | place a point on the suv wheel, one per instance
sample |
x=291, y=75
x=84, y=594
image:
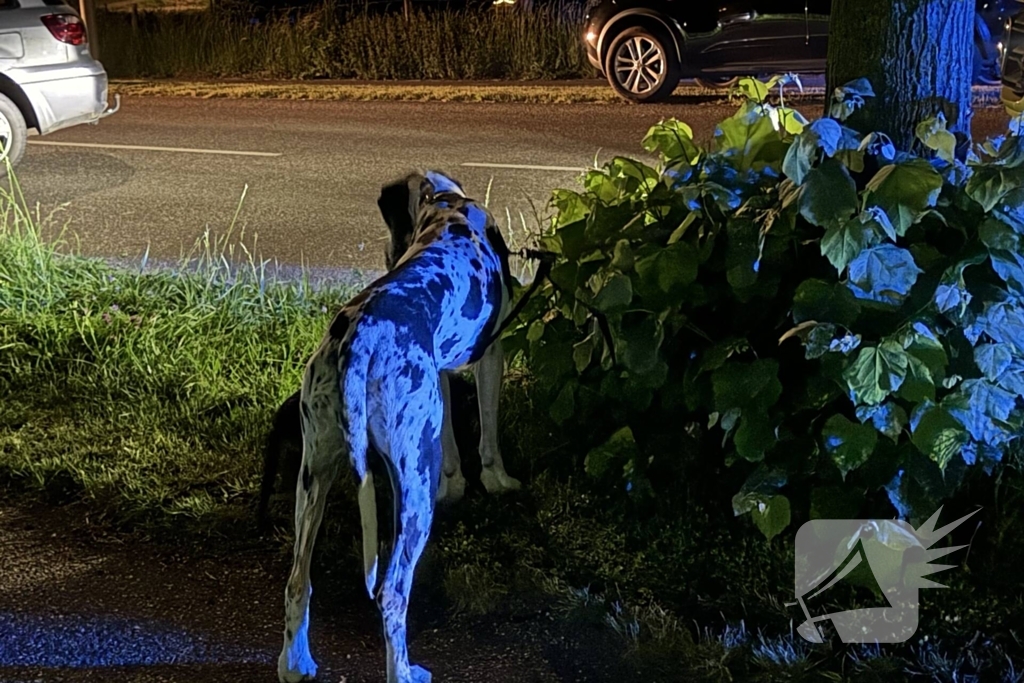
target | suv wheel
x=13, y=134
x=641, y=65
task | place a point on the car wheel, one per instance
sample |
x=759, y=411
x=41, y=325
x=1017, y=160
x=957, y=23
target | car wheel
x=13, y=134
x=717, y=82
x=641, y=65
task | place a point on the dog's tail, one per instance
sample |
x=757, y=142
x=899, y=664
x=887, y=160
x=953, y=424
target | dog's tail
x=285, y=425
x=357, y=435
x=271, y=457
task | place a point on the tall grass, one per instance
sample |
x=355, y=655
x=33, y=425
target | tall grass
x=145, y=391
x=443, y=44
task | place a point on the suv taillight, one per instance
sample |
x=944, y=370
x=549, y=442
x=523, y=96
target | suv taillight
x=67, y=28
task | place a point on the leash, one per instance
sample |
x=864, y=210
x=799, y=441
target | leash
x=546, y=260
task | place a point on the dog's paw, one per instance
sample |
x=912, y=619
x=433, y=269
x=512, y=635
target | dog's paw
x=417, y=674
x=497, y=480
x=451, y=489
x=305, y=669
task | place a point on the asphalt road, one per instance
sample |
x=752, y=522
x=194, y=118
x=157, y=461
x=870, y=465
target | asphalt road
x=314, y=199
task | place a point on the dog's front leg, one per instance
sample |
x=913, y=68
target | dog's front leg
x=488, y=373
x=452, y=485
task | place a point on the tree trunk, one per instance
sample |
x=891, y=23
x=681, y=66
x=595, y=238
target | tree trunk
x=918, y=56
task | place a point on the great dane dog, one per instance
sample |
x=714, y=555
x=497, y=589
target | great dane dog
x=283, y=445
x=376, y=385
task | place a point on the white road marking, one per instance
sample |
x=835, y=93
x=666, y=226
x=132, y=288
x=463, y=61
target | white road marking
x=526, y=167
x=189, y=150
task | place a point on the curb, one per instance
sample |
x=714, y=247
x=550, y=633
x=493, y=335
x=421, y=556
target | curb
x=587, y=91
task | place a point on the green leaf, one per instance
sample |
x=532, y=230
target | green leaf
x=715, y=357
x=673, y=140
x=620, y=447
x=919, y=385
x=746, y=385
x=583, y=352
x=638, y=345
x=933, y=134
x=818, y=340
x=877, y=372
x=772, y=517
x=753, y=89
x=741, y=253
x=615, y=296
x=997, y=235
x=622, y=258
x=563, y=406
x=848, y=443
x=888, y=418
x=829, y=195
x=761, y=484
x=571, y=207
x=754, y=437
x=669, y=269
x=843, y=242
x=921, y=343
x=904, y=190
x=939, y=435
x=744, y=136
x=988, y=185
x=824, y=301
x=800, y=157
x=679, y=232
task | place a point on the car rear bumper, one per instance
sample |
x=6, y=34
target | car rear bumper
x=65, y=96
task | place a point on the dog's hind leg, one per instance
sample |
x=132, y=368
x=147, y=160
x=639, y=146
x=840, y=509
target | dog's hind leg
x=452, y=484
x=414, y=466
x=488, y=372
x=322, y=444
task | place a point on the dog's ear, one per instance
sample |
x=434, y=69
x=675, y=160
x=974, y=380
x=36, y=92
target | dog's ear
x=399, y=205
x=445, y=183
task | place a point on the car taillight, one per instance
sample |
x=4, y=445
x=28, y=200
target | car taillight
x=67, y=28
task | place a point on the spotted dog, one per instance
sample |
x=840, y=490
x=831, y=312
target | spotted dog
x=283, y=446
x=376, y=385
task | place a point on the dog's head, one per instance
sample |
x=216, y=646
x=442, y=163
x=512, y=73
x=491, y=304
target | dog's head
x=400, y=203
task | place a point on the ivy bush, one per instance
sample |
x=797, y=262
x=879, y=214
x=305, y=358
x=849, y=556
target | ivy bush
x=837, y=320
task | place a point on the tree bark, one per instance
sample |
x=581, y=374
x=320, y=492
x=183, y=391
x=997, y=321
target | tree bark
x=918, y=56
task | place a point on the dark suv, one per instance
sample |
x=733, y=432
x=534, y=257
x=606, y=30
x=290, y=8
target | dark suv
x=1013, y=62
x=644, y=47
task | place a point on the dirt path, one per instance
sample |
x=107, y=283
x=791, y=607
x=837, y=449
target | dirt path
x=81, y=605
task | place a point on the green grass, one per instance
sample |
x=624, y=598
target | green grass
x=144, y=394
x=446, y=44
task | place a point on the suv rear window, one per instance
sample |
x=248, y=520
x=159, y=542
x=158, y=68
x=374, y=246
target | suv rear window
x=54, y=3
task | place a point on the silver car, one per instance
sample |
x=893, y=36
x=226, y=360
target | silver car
x=48, y=79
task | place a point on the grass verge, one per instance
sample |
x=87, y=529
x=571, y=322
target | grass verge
x=537, y=94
